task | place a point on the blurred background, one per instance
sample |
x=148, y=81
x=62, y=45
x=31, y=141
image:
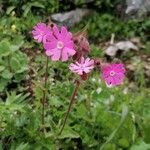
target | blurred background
x=102, y=118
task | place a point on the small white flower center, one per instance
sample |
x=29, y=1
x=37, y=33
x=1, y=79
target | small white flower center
x=112, y=73
x=60, y=45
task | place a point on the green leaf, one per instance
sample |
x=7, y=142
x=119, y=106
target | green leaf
x=15, y=64
x=55, y=101
x=10, y=9
x=123, y=117
x=146, y=129
x=19, y=76
x=29, y=5
x=141, y=146
x=3, y=84
x=81, y=111
x=123, y=143
x=2, y=68
x=26, y=9
x=68, y=133
x=6, y=74
x=37, y=4
x=4, y=48
x=21, y=146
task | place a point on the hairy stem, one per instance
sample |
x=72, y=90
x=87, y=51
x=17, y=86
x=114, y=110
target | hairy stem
x=77, y=83
x=44, y=94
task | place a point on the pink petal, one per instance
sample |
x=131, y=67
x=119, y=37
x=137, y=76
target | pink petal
x=56, y=31
x=56, y=54
x=50, y=37
x=68, y=36
x=70, y=51
x=36, y=37
x=44, y=39
x=118, y=68
x=88, y=69
x=105, y=74
x=64, y=31
x=82, y=60
x=87, y=60
x=89, y=63
x=73, y=68
x=109, y=81
x=48, y=52
x=121, y=76
x=80, y=72
x=39, y=39
x=69, y=44
x=116, y=81
x=41, y=25
x=34, y=33
x=77, y=63
x=64, y=55
x=50, y=45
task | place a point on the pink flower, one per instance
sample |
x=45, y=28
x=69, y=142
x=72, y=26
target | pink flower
x=40, y=32
x=113, y=74
x=60, y=45
x=84, y=66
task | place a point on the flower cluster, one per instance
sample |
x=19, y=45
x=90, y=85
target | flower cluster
x=60, y=44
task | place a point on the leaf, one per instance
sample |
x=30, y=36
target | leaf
x=37, y=4
x=4, y=48
x=68, y=133
x=123, y=117
x=21, y=146
x=18, y=77
x=6, y=74
x=146, y=129
x=123, y=143
x=3, y=84
x=16, y=98
x=2, y=68
x=82, y=111
x=15, y=64
x=55, y=101
x=10, y=9
x=141, y=146
x=29, y=5
x=26, y=9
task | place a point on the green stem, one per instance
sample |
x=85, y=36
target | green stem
x=70, y=105
x=9, y=65
x=44, y=94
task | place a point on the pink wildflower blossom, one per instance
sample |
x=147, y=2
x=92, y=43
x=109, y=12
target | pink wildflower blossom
x=82, y=67
x=40, y=32
x=113, y=74
x=60, y=45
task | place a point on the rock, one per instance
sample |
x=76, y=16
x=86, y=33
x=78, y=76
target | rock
x=111, y=50
x=70, y=18
x=124, y=46
x=137, y=8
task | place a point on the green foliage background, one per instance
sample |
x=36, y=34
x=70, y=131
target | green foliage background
x=102, y=118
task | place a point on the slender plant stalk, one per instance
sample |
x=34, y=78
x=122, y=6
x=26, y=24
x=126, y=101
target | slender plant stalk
x=9, y=65
x=77, y=83
x=44, y=94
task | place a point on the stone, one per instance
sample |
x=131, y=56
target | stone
x=70, y=18
x=124, y=46
x=137, y=8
